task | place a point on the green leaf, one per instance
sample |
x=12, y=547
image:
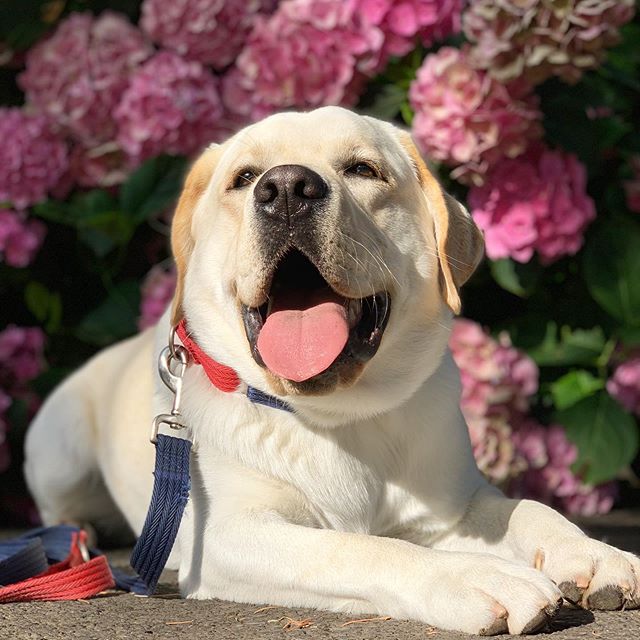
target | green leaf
x=573, y=387
x=36, y=297
x=407, y=113
x=387, y=103
x=100, y=242
x=18, y=413
x=96, y=217
x=88, y=205
x=623, y=61
x=115, y=319
x=153, y=187
x=44, y=305
x=605, y=434
x=566, y=346
x=612, y=268
x=53, y=211
x=103, y=231
x=591, y=134
x=629, y=336
x=519, y=279
x=54, y=321
x=49, y=379
x=21, y=22
x=100, y=223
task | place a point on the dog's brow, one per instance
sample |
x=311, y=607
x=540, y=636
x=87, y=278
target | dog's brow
x=253, y=146
x=355, y=152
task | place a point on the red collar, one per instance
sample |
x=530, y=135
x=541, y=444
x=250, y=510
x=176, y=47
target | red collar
x=220, y=376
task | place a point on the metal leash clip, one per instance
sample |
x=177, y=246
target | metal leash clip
x=173, y=381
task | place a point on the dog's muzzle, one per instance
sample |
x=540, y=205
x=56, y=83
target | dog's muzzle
x=304, y=328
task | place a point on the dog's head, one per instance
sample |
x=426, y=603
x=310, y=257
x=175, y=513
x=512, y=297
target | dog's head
x=318, y=257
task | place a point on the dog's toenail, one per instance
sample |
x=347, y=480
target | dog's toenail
x=571, y=591
x=608, y=598
x=498, y=626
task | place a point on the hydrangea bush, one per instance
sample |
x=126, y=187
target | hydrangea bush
x=527, y=109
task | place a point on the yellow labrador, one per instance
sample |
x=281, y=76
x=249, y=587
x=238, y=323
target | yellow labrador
x=318, y=257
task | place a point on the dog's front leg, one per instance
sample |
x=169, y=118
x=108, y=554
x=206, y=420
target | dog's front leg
x=260, y=545
x=591, y=573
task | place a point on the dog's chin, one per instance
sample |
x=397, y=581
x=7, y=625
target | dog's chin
x=296, y=276
x=343, y=373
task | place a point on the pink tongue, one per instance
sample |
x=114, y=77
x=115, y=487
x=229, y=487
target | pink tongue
x=303, y=334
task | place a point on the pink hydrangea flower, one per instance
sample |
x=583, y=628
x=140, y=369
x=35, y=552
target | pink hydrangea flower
x=20, y=239
x=401, y=22
x=535, y=203
x=78, y=75
x=466, y=119
x=32, y=157
x=497, y=383
x=624, y=385
x=529, y=439
x=209, y=31
x=21, y=355
x=496, y=378
x=511, y=448
x=587, y=500
x=632, y=187
x=307, y=54
x=105, y=165
x=536, y=39
x=157, y=292
x=171, y=106
x=493, y=447
x=549, y=478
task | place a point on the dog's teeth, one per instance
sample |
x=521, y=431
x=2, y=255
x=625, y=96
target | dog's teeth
x=269, y=305
x=354, y=312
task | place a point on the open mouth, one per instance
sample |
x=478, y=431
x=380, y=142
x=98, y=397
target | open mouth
x=305, y=327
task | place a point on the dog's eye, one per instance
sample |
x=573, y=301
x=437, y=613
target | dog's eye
x=363, y=170
x=244, y=178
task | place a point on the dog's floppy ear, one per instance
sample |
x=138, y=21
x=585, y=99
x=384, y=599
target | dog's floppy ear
x=459, y=241
x=181, y=238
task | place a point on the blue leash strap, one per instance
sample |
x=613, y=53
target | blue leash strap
x=54, y=540
x=31, y=553
x=21, y=559
x=170, y=494
x=171, y=476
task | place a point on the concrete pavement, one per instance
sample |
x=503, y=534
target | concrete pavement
x=167, y=617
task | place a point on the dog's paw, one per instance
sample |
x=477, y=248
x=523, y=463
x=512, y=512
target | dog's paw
x=486, y=595
x=592, y=574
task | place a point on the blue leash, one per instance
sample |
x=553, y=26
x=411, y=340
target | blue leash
x=171, y=490
x=31, y=553
x=170, y=494
x=21, y=559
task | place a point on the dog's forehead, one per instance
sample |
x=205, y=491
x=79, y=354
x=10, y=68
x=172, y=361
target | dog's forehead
x=321, y=133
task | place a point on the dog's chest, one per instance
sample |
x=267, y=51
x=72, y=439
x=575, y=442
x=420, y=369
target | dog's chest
x=348, y=479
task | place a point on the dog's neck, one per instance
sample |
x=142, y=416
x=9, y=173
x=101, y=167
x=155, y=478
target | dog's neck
x=223, y=377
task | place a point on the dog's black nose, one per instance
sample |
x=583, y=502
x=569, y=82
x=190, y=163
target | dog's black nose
x=289, y=192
